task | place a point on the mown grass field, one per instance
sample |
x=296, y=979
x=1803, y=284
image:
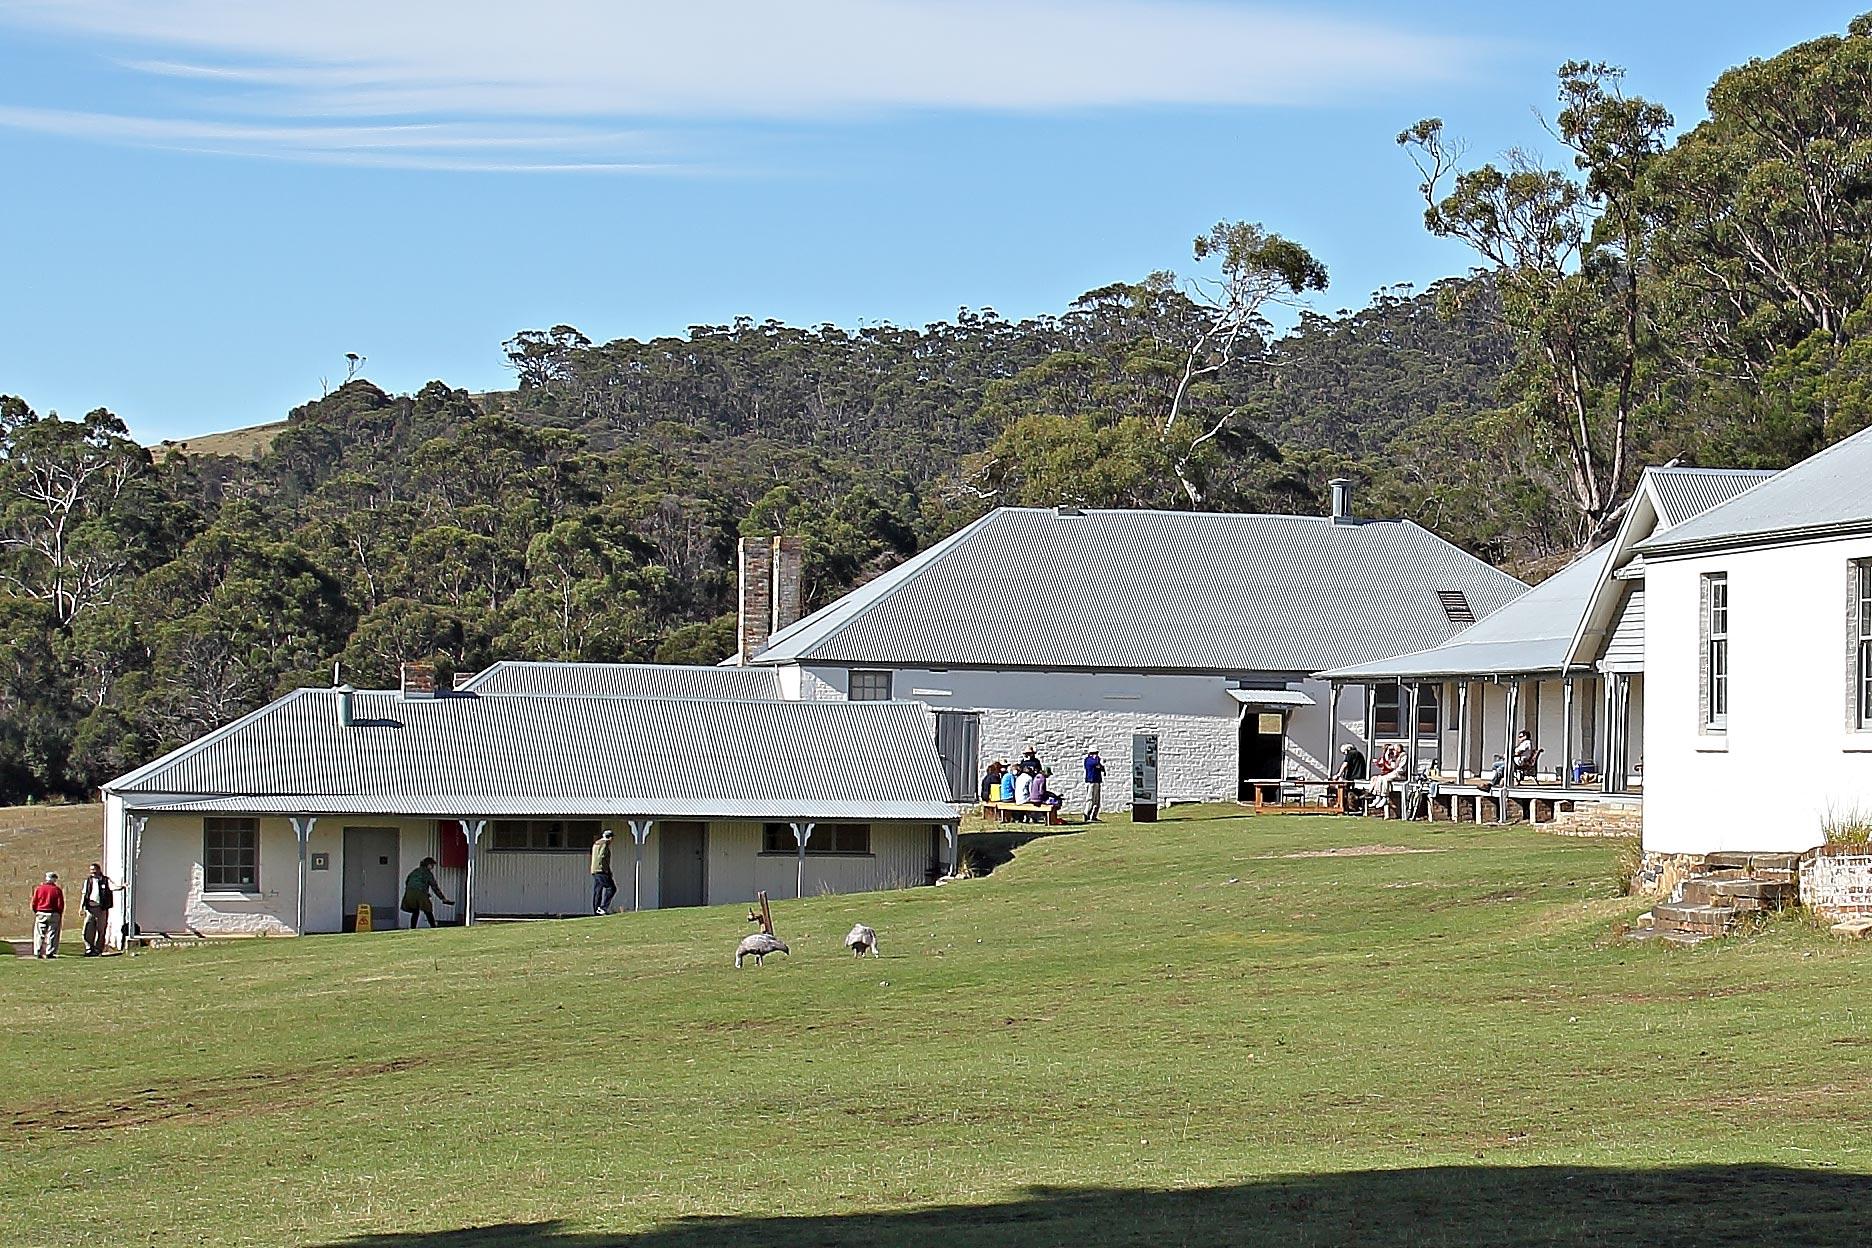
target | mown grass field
x=1205, y=1031
x=38, y=839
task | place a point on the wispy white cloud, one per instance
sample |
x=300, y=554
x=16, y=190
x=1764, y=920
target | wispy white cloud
x=590, y=65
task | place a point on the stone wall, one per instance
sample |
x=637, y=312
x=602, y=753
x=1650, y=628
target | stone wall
x=1836, y=883
x=1589, y=818
x=1196, y=753
x=1662, y=875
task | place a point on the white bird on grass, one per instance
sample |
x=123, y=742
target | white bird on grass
x=862, y=940
x=758, y=946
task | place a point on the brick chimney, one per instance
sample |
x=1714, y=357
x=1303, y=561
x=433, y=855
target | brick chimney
x=419, y=680
x=789, y=567
x=756, y=596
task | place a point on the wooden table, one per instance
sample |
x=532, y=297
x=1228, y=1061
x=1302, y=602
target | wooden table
x=1270, y=796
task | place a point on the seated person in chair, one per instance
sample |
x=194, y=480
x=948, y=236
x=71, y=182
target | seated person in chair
x=1526, y=757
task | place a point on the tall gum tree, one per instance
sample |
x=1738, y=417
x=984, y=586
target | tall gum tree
x=1570, y=254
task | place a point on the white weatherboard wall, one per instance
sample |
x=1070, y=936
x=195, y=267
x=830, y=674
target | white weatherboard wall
x=170, y=896
x=1064, y=714
x=900, y=857
x=1788, y=757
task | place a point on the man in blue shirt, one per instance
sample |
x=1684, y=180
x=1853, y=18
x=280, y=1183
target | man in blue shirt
x=1095, y=784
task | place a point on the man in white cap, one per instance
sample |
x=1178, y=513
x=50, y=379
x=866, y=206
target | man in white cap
x=604, y=884
x=48, y=903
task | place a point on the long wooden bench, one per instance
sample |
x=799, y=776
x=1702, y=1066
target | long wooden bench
x=999, y=812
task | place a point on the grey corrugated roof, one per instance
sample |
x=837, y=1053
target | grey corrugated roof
x=1531, y=634
x=625, y=680
x=1152, y=591
x=650, y=756
x=1683, y=493
x=1831, y=491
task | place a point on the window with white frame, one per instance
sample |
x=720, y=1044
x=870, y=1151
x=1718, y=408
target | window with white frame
x=1716, y=650
x=1389, y=703
x=869, y=685
x=231, y=854
x=1862, y=643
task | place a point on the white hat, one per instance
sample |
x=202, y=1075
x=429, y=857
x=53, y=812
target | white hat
x=50, y=876
x=608, y=834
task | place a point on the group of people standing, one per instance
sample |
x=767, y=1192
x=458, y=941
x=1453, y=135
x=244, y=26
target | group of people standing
x=1029, y=782
x=48, y=907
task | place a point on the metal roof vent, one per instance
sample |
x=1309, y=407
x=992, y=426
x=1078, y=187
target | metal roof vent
x=1067, y=509
x=1456, y=606
x=1342, y=500
x=347, y=714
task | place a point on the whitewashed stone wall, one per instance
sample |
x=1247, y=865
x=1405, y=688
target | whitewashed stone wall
x=1196, y=753
x=1837, y=885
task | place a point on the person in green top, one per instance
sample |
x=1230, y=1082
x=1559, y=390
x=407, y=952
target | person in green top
x=416, y=890
x=604, y=885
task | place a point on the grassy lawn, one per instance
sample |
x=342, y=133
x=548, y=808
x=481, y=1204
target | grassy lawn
x=38, y=839
x=1205, y=1031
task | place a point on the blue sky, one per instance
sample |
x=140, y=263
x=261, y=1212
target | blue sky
x=209, y=202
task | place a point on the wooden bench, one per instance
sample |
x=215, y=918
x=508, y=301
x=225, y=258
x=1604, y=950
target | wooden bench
x=999, y=812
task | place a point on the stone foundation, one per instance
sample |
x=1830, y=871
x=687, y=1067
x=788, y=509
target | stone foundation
x=1663, y=875
x=1588, y=818
x=1836, y=882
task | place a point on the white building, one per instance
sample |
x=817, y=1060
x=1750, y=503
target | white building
x=1758, y=654
x=1565, y=662
x=290, y=818
x=1069, y=630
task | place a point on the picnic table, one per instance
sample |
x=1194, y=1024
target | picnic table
x=1296, y=796
x=1000, y=812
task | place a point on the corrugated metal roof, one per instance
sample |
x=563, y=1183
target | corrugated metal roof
x=625, y=680
x=641, y=755
x=1530, y=634
x=1829, y=491
x=1683, y=493
x=1152, y=591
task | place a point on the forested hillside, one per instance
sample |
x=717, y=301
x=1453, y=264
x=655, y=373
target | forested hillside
x=1704, y=296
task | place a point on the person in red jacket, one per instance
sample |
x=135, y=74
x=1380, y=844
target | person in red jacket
x=48, y=913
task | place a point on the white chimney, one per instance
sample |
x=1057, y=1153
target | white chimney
x=1341, y=500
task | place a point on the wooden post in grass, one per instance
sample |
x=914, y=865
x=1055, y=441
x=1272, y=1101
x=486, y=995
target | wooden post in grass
x=766, y=915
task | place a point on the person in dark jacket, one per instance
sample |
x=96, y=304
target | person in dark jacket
x=1352, y=764
x=991, y=781
x=416, y=890
x=96, y=900
x=1095, y=784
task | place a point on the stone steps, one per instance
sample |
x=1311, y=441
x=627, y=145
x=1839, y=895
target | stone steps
x=1710, y=904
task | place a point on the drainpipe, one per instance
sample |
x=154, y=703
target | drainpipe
x=471, y=832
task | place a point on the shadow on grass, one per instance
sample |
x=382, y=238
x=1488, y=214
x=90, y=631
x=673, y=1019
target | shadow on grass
x=1705, y=1206
x=984, y=851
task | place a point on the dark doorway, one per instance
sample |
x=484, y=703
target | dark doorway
x=682, y=867
x=1263, y=752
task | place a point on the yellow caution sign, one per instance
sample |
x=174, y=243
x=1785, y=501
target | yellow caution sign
x=363, y=916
